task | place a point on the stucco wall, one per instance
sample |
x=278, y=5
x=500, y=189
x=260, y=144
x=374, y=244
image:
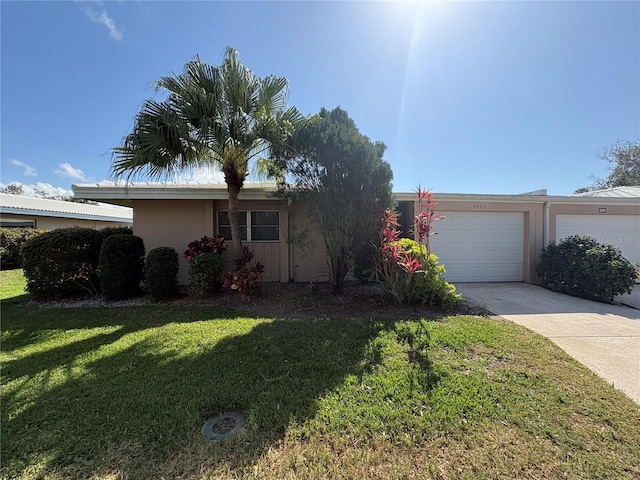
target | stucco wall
x=175, y=223
x=171, y=223
x=51, y=223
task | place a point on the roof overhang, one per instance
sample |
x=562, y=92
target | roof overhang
x=543, y=199
x=123, y=194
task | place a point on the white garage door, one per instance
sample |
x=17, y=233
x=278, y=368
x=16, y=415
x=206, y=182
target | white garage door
x=622, y=231
x=480, y=247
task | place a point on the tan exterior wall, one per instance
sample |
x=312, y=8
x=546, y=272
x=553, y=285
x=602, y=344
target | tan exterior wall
x=171, y=223
x=51, y=223
x=175, y=223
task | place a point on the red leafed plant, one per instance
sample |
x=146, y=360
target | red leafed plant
x=245, y=277
x=205, y=245
x=405, y=268
x=83, y=277
x=426, y=217
x=395, y=266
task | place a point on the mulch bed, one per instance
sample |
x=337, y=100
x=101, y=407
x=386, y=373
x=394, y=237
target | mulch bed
x=275, y=299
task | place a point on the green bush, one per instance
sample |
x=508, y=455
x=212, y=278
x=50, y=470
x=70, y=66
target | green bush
x=107, y=232
x=121, y=266
x=11, y=241
x=161, y=272
x=582, y=267
x=62, y=262
x=206, y=272
x=364, y=262
x=431, y=289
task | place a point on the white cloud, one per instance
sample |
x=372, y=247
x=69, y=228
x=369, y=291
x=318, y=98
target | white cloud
x=33, y=190
x=102, y=17
x=65, y=170
x=28, y=171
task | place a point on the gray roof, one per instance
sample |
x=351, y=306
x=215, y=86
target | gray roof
x=22, y=205
x=616, y=192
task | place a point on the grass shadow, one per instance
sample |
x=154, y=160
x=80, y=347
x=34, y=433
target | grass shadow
x=149, y=399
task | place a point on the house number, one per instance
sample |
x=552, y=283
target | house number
x=480, y=206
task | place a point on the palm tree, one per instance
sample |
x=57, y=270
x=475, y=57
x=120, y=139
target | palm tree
x=222, y=116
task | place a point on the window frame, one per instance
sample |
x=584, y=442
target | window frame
x=248, y=225
x=14, y=223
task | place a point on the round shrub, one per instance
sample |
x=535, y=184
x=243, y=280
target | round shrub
x=11, y=241
x=108, y=231
x=62, y=262
x=121, y=266
x=161, y=272
x=582, y=267
x=431, y=289
x=206, y=272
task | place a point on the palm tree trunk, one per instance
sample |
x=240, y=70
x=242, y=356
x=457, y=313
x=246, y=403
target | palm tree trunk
x=236, y=239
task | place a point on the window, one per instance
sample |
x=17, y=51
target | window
x=17, y=223
x=255, y=226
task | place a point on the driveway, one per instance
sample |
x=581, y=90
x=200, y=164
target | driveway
x=605, y=338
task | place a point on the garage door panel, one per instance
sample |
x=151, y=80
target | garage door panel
x=622, y=231
x=480, y=247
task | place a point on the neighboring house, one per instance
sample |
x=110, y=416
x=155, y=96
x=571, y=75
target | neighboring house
x=484, y=238
x=46, y=214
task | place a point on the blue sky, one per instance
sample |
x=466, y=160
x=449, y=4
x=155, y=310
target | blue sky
x=470, y=97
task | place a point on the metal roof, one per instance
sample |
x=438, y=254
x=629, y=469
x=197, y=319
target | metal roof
x=23, y=205
x=616, y=192
x=124, y=193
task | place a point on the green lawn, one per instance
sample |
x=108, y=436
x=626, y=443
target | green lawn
x=122, y=393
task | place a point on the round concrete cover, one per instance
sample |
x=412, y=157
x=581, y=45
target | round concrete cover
x=224, y=425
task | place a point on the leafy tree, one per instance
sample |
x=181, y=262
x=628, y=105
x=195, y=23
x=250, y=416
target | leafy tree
x=12, y=189
x=223, y=116
x=15, y=188
x=624, y=161
x=340, y=175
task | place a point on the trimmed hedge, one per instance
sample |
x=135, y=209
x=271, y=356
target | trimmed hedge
x=11, y=241
x=206, y=272
x=108, y=231
x=62, y=262
x=161, y=272
x=121, y=266
x=582, y=267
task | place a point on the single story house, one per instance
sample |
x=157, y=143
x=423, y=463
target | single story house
x=483, y=238
x=46, y=214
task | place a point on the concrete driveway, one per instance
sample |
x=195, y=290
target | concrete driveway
x=605, y=338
